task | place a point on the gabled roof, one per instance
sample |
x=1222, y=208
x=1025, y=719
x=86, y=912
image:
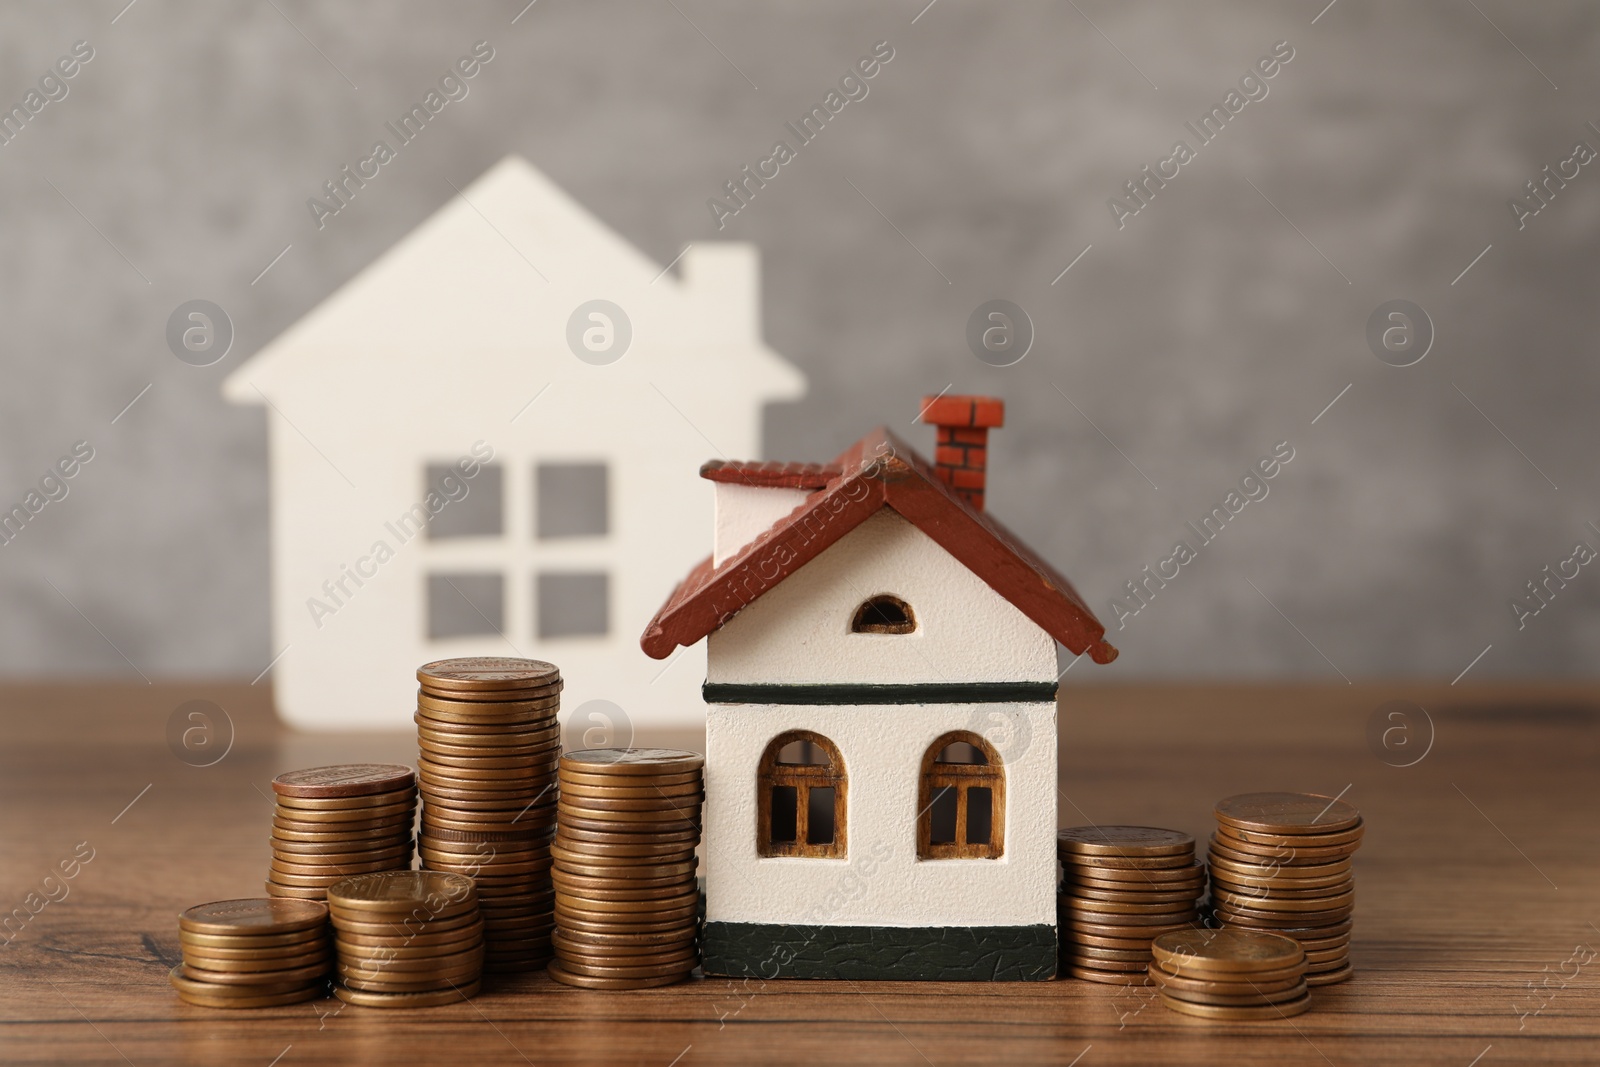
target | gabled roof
x=877, y=471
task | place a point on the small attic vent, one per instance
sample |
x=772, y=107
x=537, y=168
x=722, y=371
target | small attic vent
x=884, y=615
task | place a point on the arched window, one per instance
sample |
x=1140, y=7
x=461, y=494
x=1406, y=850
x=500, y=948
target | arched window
x=961, y=809
x=800, y=802
x=883, y=614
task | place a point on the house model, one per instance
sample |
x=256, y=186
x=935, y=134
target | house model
x=881, y=731
x=485, y=444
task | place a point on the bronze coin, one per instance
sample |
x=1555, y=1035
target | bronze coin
x=585, y=981
x=1276, y=903
x=629, y=956
x=1122, y=978
x=474, y=674
x=1238, y=1013
x=632, y=761
x=1227, y=951
x=529, y=765
x=1138, y=876
x=534, y=702
x=289, y=805
x=1276, y=996
x=1287, y=813
x=633, y=792
x=444, y=980
x=360, y=838
x=479, y=772
x=420, y=945
x=1294, y=855
x=180, y=978
x=313, y=991
x=253, y=916
x=1078, y=892
x=578, y=836
x=285, y=892
x=680, y=966
x=401, y=891
x=602, y=779
x=1293, y=886
x=568, y=922
x=1330, y=977
x=625, y=874
x=1127, y=863
x=1287, y=860
x=1270, y=870
x=1232, y=983
x=596, y=890
x=343, y=780
x=425, y=923
x=682, y=933
x=362, y=998
x=333, y=851
x=1121, y=955
x=1122, y=931
x=261, y=965
x=599, y=856
x=628, y=966
x=1097, y=911
x=1318, y=840
x=630, y=825
x=226, y=946
x=515, y=837
x=1116, y=966
x=1123, y=841
x=344, y=820
x=1075, y=939
x=1238, y=915
x=289, y=976
x=325, y=879
x=625, y=911
x=661, y=807
x=1263, y=893
x=404, y=967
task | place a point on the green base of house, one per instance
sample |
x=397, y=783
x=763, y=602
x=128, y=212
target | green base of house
x=888, y=953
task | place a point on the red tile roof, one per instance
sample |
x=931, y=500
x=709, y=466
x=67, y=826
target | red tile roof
x=771, y=475
x=877, y=471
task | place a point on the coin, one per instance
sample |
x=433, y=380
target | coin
x=695, y=788
x=1285, y=854
x=1130, y=967
x=481, y=673
x=1316, y=840
x=557, y=971
x=1270, y=869
x=246, y=948
x=252, y=915
x=360, y=803
x=1287, y=813
x=1096, y=941
x=1122, y=978
x=322, y=957
x=1229, y=951
x=1123, y=841
x=287, y=977
x=201, y=1000
x=1330, y=977
x=460, y=991
x=570, y=775
x=1248, y=999
x=1131, y=863
x=1121, y=955
x=1238, y=1013
x=577, y=836
x=1231, y=983
x=399, y=891
x=343, y=780
x=632, y=761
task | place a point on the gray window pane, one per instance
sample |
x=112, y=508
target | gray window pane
x=572, y=500
x=465, y=605
x=472, y=507
x=572, y=604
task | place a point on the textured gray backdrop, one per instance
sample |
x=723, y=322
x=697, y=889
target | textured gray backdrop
x=1217, y=322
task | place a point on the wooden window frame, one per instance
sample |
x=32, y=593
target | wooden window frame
x=859, y=625
x=803, y=778
x=961, y=777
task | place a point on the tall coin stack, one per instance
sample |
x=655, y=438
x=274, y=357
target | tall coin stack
x=406, y=939
x=489, y=741
x=627, y=902
x=1230, y=974
x=1123, y=886
x=260, y=952
x=1282, y=862
x=334, y=822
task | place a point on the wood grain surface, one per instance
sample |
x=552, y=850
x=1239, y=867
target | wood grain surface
x=1478, y=900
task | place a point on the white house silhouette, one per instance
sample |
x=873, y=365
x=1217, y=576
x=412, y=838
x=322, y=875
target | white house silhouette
x=565, y=501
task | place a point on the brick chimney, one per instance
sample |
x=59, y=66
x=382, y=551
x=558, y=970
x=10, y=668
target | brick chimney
x=961, y=453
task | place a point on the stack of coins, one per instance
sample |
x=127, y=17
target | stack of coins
x=1230, y=974
x=1282, y=862
x=406, y=939
x=254, y=953
x=1123, y=886
x=334, y=822
x=489, y=743
x=627, y=901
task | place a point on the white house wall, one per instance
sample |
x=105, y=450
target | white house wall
x=881, y=882
x=799, y=631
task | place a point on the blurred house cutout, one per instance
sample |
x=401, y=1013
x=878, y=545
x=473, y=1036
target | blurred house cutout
x=488, y=442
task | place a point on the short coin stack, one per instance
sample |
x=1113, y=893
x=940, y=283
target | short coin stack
x=489, y=741
x=334, y=822
x=406, y=939
x=1123, y=886
x=1230, y=974
x=255, y=953
x=627, y=903
x=1282, y=862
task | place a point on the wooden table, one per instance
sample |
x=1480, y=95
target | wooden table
x=1475, y=938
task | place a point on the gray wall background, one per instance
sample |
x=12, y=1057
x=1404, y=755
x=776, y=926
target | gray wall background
x=1209, y=328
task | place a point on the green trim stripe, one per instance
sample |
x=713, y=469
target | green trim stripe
x=915, y=693
x=872, y=953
